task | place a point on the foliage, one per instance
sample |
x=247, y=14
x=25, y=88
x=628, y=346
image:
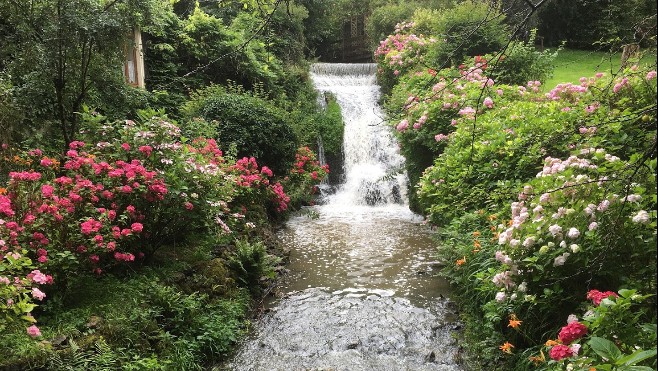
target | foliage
x=521, y=63
x=59, y=54
x=251, y=123
x=586, y=25
x=250, y=262
x=514, y=136
x=470, y=28
x=113, y=202
x=611, y=316
x=305, y=174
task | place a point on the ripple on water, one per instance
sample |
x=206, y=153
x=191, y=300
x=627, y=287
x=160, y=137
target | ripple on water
x=352, y=329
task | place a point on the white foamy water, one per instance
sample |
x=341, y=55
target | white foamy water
x=372, y=163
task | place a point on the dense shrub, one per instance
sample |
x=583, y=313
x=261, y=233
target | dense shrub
x=520, y=63
x=117, y=198
x=250, y=123
x=470, y=28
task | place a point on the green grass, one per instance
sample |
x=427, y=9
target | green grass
x=571, y=65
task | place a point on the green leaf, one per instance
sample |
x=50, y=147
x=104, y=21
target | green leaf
x=636, y=357
x=640, y=368
x=625, y=293
x=605, y=348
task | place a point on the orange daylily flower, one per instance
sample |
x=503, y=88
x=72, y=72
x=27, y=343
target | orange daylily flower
x=3, y=191
x=476, y=234
x=461, y=261
x=552, y=343
x=506, y=348
x=538, y=359
x=493, y=217
x=514, y=322
x=477, y=244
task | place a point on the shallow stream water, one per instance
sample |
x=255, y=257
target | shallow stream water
x=361, y=291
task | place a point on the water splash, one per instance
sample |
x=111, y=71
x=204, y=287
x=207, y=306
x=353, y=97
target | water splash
x=372, y=157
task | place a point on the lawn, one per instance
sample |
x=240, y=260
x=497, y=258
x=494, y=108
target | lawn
x=571, y=65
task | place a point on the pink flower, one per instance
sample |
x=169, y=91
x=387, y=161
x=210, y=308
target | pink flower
x=402, y=126
x=641, y=217
x=38, y=294
x=440, y=137
x=572, y=331
x=488, y=102
x=559, y=352
x=33, y=331
x=46, y=162
x=47, y=190
x=137, y=227
x=555, y=230
x=39, y=277
x=573, y=233
x=597, y=296
x=126, y=146
x=651, y=75
x=188, y=205
x=146, y=150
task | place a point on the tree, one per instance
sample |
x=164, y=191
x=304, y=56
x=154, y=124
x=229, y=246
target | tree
x=62, y=54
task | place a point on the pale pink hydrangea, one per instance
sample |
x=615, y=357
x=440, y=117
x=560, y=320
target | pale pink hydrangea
x=33, y=331
x=38, y=294
x=573, y=233
x=560, y=260
x=501, y=296
x=641, y=217
x=488, y=102
x=555, y=230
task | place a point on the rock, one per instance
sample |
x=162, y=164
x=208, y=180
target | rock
x=61, y=341
x=431, y=357
x=94, y=322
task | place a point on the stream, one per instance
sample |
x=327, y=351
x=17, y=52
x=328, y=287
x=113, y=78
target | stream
x=361, y=292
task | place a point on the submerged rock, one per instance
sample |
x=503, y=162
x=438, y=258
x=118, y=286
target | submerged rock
x=316, y=329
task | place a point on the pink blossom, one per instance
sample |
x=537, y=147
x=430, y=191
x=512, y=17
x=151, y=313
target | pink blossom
x=47, y=190
x=33, y=331
x=501, y=296
x=651, y=75
x=125, y=146
x=592, y=226
x=440, y=137
x=137, y=227
x=38, y=294
x=555, y=230
x=599, y=75
x=46, y=162
x=403, y=125
x=488, y=102
x=573, y=233
x=146, y=150
x=641, y=217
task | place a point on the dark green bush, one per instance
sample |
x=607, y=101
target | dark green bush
x=250, y=123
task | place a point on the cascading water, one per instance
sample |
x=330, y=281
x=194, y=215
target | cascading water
x=373, y=163
x=360, y=293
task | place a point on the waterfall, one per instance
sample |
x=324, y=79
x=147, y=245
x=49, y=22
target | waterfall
x=373, y=164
